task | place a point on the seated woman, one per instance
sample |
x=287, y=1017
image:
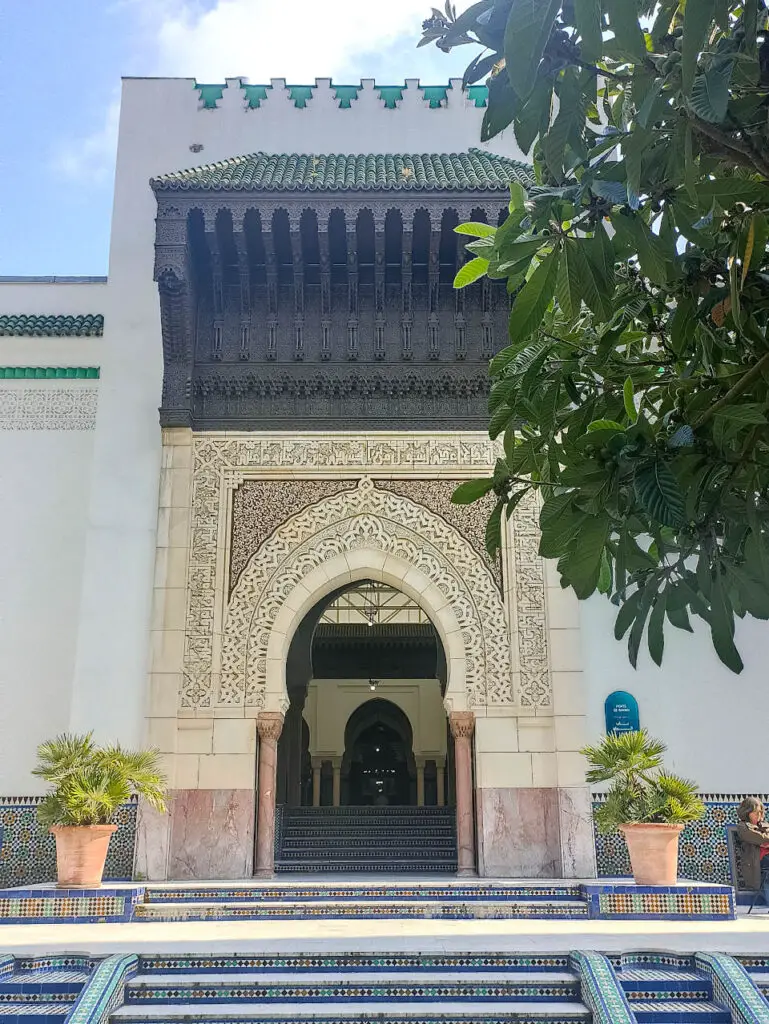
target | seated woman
x=753, y=833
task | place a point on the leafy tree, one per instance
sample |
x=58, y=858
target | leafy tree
x=633, y=395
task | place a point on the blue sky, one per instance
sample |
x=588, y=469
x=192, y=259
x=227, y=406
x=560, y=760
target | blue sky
x=62, y=64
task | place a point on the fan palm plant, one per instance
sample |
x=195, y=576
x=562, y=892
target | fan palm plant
x=641, y=792
x=89, y=783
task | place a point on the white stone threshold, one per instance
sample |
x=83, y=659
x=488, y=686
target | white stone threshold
x=748, y=934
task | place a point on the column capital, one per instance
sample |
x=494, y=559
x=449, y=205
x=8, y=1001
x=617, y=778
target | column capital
x=269, y=725
x=462, y=724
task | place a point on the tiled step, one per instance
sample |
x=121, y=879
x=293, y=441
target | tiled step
x=360, y=892
x=34, y=991
x=365, y=866
x=761, y=981
x=353, y=963
x=643, y=983
x=680, y=1012
x=376, y=986
x=443, y=1012
x=300, y=910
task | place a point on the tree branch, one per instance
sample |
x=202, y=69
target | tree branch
x=744, y=382
x=738, y=149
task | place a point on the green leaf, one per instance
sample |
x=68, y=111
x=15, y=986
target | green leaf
x=529, y=24
x=658, y=492
x=745, y=413
x=470, y=491
x=518, y=196
x=656, y=632
x=626, y=615
x=727, y=191
x=697, y=18
x=470, y=272
x=722, y=626
x=710, y=93
x=499, y=420
x=628, y=396
x=587, y=17
x=476, y=228
x=559, y=522
x=494, y=529
x=604, y=577
x=623, y=18
x=753, y=592
x=503, y=104
x=644, y=606
x=582, y=566
x=605, y=425
x=568, y=287
x=534, y=298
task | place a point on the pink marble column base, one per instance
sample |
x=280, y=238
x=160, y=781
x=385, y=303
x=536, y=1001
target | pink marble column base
x=518, y=833
x=212, y=834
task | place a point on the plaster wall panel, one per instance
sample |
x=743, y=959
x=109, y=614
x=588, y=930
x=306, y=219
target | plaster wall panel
x=45, y=478
x=693, y=703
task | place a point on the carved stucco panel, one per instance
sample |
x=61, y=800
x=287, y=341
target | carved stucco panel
x=219, y=459
x=365, y=518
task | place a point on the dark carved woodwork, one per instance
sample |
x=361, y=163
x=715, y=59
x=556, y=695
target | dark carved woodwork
x=317, y=326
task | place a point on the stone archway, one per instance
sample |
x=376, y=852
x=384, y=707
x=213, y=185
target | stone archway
x=365, y=533
x=358, y=534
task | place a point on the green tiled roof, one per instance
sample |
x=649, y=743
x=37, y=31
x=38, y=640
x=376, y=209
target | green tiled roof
x=90, y=324
x=474, y=170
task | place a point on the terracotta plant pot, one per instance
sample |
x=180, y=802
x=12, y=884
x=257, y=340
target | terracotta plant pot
x=81, y=851
x=653, y=852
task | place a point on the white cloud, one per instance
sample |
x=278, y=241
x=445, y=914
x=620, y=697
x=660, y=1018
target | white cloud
x=91, y=159
x=298, y=40
x=262, y=39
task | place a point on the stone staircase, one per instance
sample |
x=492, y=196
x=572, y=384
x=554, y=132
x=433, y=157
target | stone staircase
x=343, y=989
x=663, y=987
x=384, y=900
x=41, y=989
x=366, y=839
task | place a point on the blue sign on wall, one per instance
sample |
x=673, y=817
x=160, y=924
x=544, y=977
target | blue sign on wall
x=621, y=710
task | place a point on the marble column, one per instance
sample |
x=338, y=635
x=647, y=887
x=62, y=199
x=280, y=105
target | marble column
x=462, y=728
x=441, y=784
x=420, y=783
x=337, y=766
x=316, y=767
x=269, y=725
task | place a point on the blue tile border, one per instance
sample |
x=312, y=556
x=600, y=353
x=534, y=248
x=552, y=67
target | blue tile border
x=624, y=900
x=49, y=905
x=601, y=990
x=6, y=966
x=733, y=988
x=104, y=990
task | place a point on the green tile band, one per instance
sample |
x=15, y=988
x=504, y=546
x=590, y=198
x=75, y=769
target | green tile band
x=53, y=326
x=49, y=372
x=479, y=94
x=391, y=95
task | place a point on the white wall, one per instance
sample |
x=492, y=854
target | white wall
x=714, y=722
x=44, y=478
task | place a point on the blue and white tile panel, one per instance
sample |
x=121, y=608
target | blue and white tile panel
x=601, y=990
x=104, y=990
x=734, y=988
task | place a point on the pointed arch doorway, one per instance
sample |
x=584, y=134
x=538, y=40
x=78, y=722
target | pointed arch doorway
x=366, y=678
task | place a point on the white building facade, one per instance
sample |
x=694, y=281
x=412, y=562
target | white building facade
x=287, y=305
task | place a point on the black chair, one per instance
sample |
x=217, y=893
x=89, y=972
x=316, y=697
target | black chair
x=734, y=845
